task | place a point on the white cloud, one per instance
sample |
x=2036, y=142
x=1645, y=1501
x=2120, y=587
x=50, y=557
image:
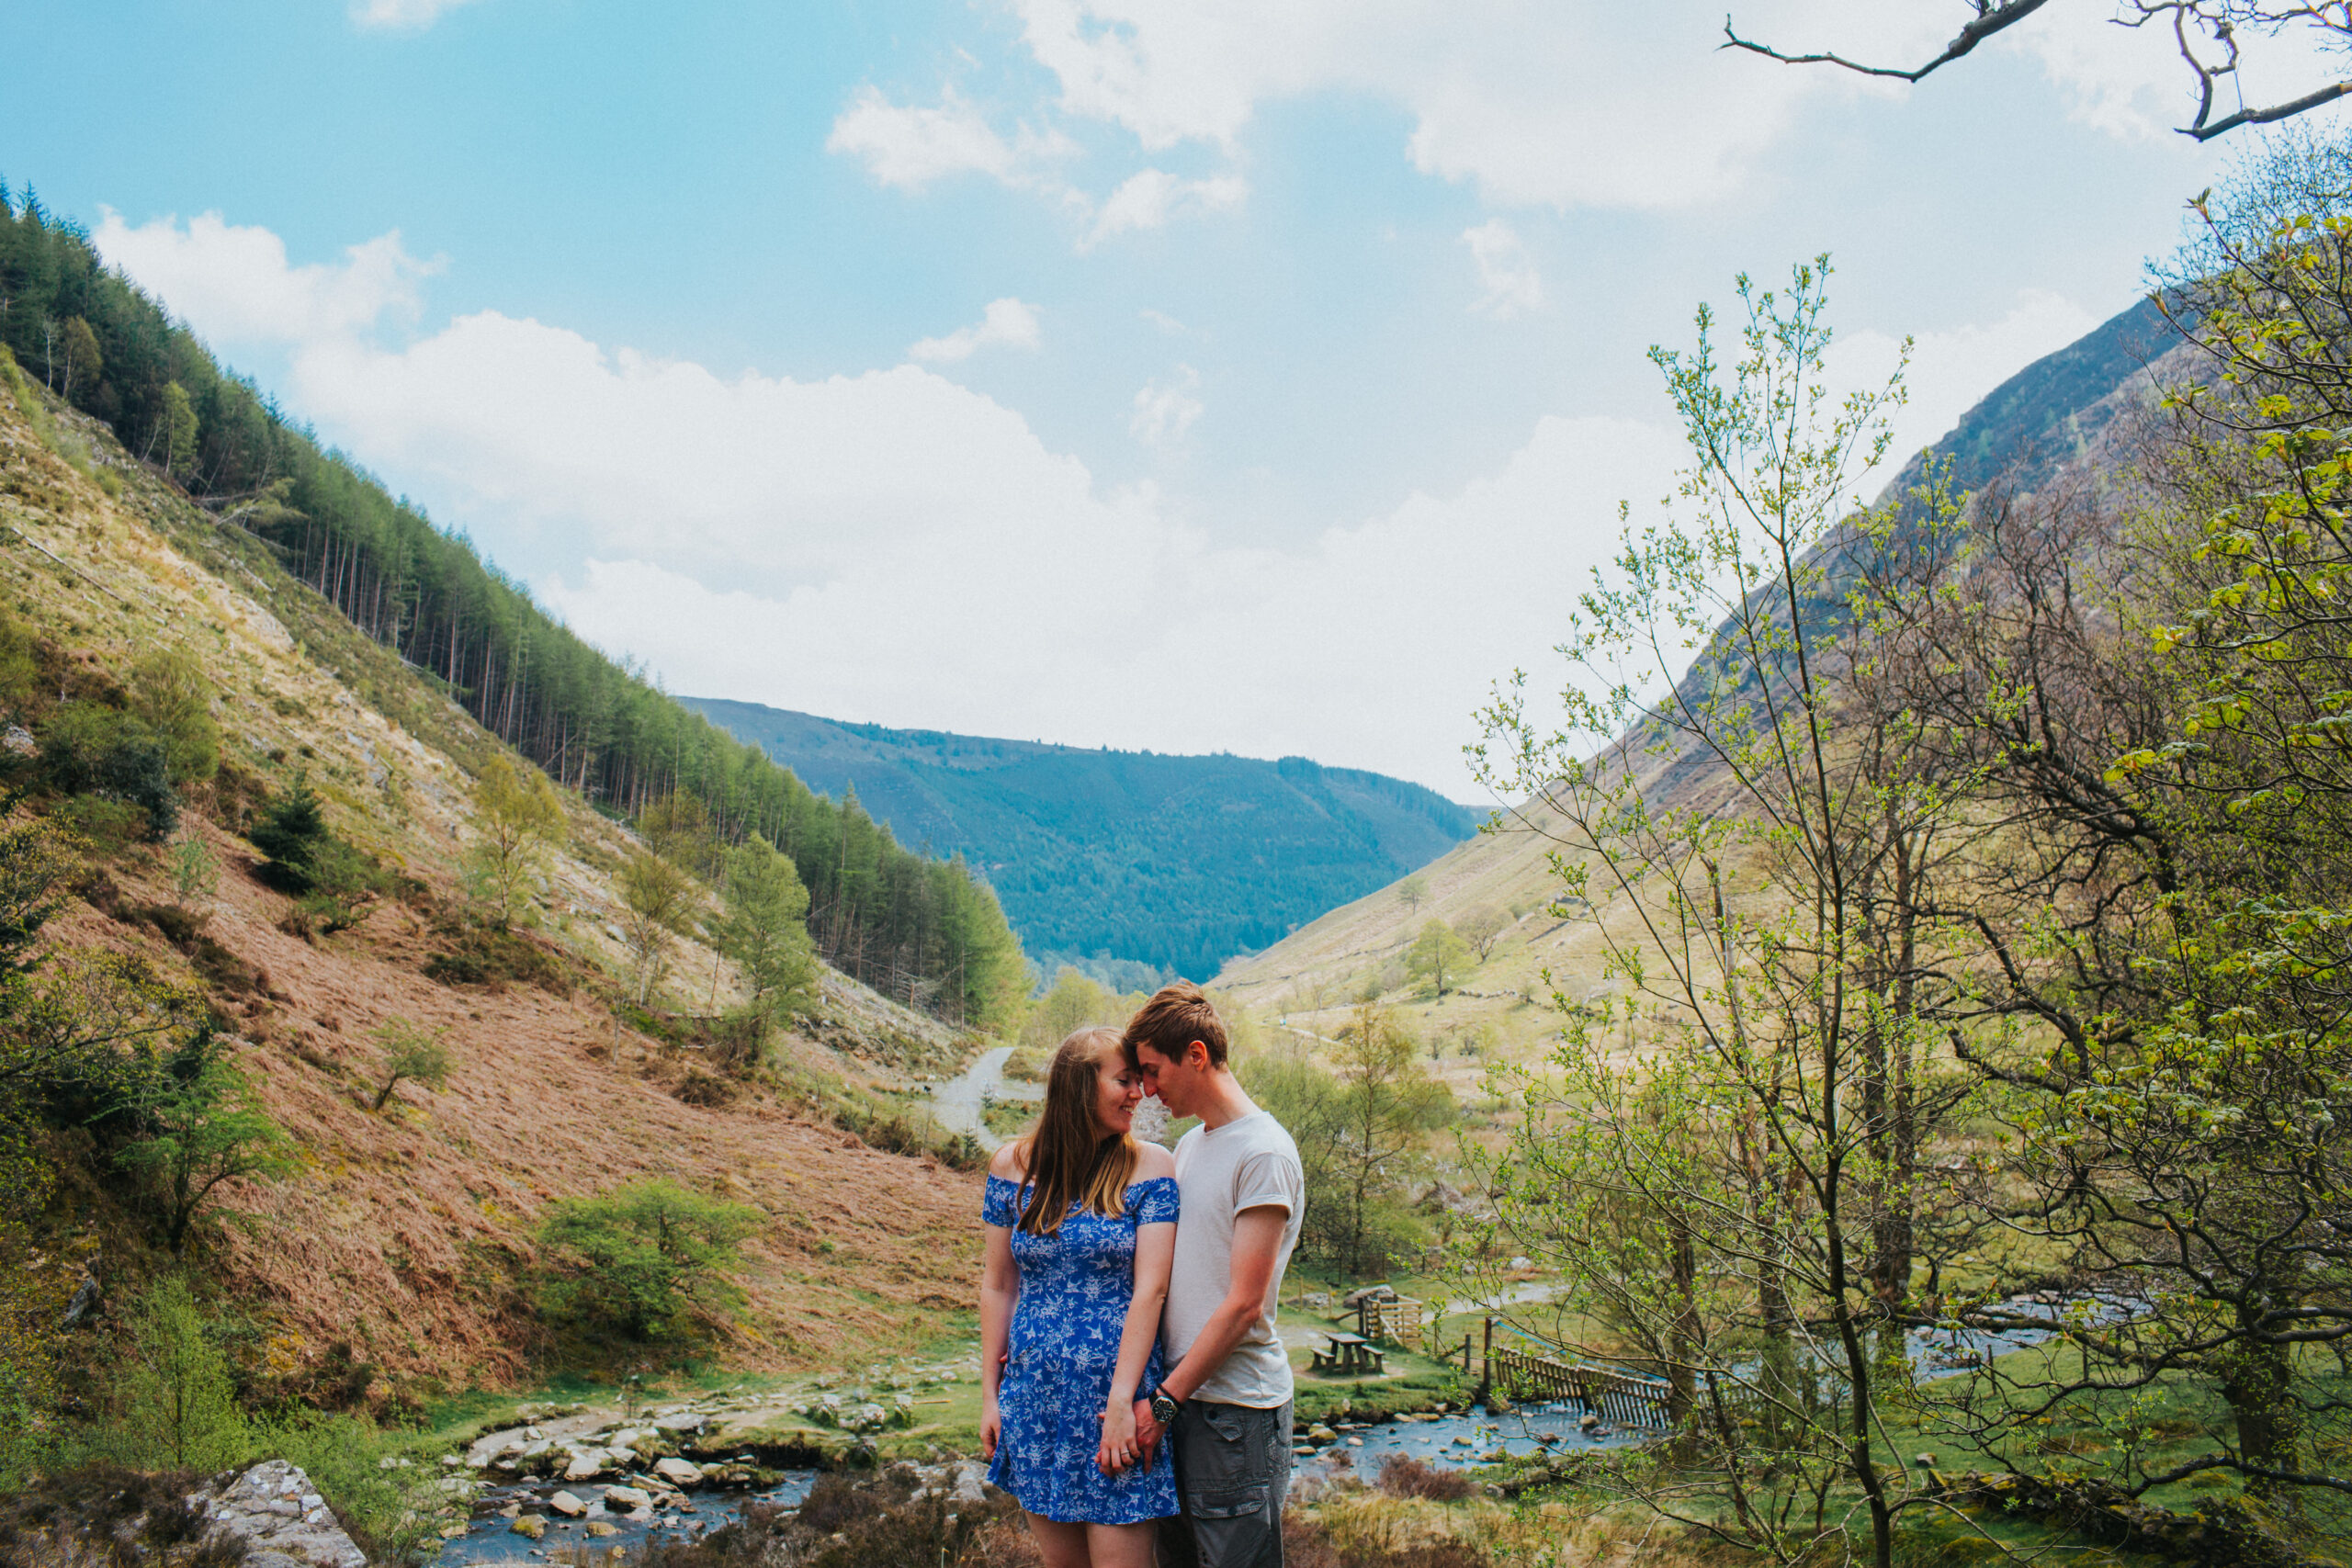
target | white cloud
x=910, y=146
x=408, y=13
x=1626, y=106
x=1507, y=280
x=893, y=547
x=1164, y=410
x=1148, y=198
x=236, y=284
x=1006, y=323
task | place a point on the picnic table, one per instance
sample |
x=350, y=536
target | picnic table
x=1350, y=1354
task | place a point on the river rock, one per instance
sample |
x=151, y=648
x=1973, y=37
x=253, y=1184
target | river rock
x=587, y=1464
x=599, y=1528
x=280, y=1516
x=682, y=1421
x=628, y=1497
x=529, y=1525
x=683, y=1472
x=1321, y=1435
x=570, y=1507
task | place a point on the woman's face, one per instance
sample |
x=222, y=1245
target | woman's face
x=1117, y=1091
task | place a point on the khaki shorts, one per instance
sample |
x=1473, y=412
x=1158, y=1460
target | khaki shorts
x=1232, y=1468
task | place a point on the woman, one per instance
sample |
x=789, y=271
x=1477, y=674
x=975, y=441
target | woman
x=1082, y=1224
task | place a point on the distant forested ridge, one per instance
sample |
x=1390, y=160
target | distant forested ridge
x=910, y=926
x=1178, y=862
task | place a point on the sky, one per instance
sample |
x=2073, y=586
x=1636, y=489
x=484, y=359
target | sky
x=1255, y=376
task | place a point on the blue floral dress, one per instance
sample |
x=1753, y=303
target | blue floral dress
x=1076, y=1286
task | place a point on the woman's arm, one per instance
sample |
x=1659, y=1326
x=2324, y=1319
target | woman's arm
x=1000, y=1289
x=1155, y=1251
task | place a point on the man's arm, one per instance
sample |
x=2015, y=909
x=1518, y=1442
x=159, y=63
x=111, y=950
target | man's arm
x=1257, y=1250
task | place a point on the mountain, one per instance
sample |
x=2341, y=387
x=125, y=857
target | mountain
x=1175, y=863
x=2053, y=418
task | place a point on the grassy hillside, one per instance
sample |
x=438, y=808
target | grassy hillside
x=1178, y=862
x=912, y=927
x=2050, y=420
x=402, y=1241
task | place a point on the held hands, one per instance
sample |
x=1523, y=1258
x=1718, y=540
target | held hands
x=1119, y=1448
x=1148, y=1432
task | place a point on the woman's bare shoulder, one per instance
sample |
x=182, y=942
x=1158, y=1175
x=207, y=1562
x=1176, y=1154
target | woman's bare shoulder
x=1006, y=1162
x=1154, y=1162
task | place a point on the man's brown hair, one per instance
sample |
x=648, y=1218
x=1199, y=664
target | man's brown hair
x=1175, y=1017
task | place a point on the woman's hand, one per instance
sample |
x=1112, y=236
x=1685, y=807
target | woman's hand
x=992, y=1425
x=1118, y=1449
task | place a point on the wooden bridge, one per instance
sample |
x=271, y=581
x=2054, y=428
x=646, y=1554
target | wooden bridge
x=1615, y=1398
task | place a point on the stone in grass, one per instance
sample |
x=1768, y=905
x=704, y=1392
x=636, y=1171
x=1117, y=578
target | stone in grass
x=529, y=1525
x=570, y=1507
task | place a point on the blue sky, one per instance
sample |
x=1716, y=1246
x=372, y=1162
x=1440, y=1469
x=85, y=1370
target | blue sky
x=1194, y=376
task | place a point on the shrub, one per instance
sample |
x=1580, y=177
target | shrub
x=644, y=1256
x=1402, y=1475
x=519, y=815
x=171, y=693
x=88, y=749
x=199, y=1126
x=195, y=870
x=393, y=1510
x=103, y=1513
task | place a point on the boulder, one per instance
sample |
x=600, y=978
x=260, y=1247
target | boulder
x=587, y=1464
x=570, y=1507
x=1321, y=1435
x=599, y=1528
x=281, y=1518
x=627, y=1498
x=679, y=1471
x=529, y=1525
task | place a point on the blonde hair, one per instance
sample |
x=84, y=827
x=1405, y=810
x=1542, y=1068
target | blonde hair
x=1064, y=1158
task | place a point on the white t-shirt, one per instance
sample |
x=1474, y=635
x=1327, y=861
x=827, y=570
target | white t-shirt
x=1248, y=1163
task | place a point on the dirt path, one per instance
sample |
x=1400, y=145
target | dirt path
x=959, y=1101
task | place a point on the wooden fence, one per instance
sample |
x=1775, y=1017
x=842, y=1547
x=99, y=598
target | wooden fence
x=1613, y=1396
x=1390, y=1320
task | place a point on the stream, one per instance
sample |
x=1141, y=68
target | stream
x=490, y=1537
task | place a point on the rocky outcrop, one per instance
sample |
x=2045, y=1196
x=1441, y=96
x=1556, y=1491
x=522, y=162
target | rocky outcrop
x=281, y=1518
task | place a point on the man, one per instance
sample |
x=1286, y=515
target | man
x=1226, y=1401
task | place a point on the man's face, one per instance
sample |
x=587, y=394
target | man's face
x=1172, y=1081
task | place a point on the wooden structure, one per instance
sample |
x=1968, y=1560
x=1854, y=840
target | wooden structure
x=1615, y=1398
x=1392, y=1320
x=1350, y=1355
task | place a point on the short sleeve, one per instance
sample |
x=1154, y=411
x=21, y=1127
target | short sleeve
x=1268, y=1178
x=1154, y=1201
x=1001, y=1204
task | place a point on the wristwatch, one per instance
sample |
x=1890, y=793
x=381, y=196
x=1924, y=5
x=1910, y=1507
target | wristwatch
x=1163, y=1408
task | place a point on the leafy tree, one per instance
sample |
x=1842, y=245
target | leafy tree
x=519, y=816
x=1482, y=928
x=1437, y=955
x=655, y=897
x=645, y=1255
x=80, y=354
x=177, y=426
x=765, y=931
x=199, y=1126
x=179, y=1389
x=678, y=828
x=1075, y=1001
x=171, y=691
x=1413, y=891
x=411, y=1055
x=1717, y=1210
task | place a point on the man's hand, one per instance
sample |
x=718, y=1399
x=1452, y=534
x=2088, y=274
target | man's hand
x=1148, y=1432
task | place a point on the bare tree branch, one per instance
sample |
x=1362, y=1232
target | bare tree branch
x=2219, y=20
x=1990, y=19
